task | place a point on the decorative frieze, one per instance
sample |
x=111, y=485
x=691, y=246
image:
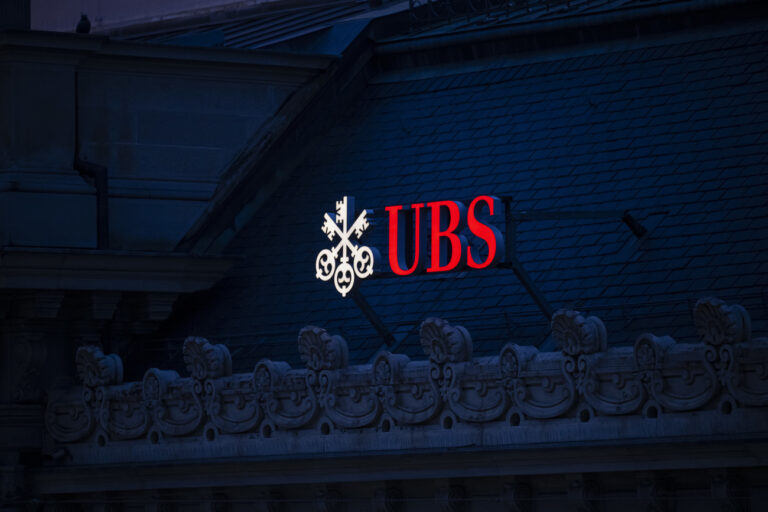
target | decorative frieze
x=581, y=381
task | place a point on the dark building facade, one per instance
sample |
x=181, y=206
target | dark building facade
x=615, y=357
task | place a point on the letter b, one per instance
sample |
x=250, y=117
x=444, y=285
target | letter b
x=449, y=249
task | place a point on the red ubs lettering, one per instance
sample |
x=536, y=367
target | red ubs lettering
x=448, y=247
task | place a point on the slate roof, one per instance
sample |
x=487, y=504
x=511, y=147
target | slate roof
x=674, y=131
x=270, y=27
x=461, y=17
x=259, y=29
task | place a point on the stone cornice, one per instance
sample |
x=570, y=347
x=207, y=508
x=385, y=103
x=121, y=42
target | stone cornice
x=84, y=269
x=206, y=470
x=656, y=392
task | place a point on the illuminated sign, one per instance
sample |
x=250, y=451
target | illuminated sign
x=347, y=259
x=447, y=250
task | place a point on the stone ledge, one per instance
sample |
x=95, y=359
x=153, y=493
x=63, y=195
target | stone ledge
x=585, y=393
x=105, y=473
x=84, y=269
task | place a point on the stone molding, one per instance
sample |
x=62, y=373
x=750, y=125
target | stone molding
x=582, y=382
x=54, y=270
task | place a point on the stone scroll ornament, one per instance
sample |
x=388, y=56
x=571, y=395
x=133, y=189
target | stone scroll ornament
x=96, y=369
x=74, y=414
x=586, y=377
x=206, y=361
x=347, y=261
x=230, y=401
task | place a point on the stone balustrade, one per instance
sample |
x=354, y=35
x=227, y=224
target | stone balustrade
x=585, y=391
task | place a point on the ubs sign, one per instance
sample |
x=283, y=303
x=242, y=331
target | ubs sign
x=423, y=237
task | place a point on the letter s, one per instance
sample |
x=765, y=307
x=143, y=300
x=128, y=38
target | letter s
x=490, y=234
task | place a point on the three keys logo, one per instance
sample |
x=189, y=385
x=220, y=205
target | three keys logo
x=347, y=260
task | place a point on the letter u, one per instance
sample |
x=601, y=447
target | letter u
x=397, y=239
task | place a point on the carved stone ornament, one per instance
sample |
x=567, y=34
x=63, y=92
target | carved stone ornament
x=96, y=369
x=577, y=335
x=175, y=403
x=206, y=361
x=444, y=343
x=406, y=390
x=547, y=388
x=721, y=324
x=68, y=416
x=650, y=351
x=514, y=359
x=388, y=367
x=268, y=374
x=121, y=412
x=321, y=351
x=283, y=394
x=394, y=395
x=232, y=404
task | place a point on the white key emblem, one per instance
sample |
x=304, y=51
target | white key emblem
x=347, y=259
